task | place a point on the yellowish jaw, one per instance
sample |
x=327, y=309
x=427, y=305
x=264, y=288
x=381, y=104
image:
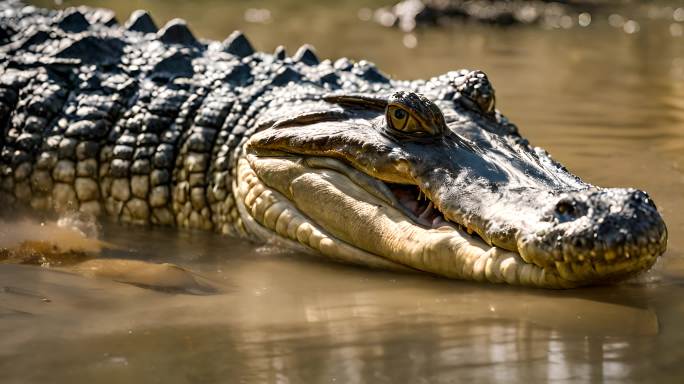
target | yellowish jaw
x=322, y=211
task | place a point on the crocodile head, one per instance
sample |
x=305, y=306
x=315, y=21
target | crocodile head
x=446, y=186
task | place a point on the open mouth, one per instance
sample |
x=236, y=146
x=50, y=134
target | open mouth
x=412, y=198
x=423, y=211
x=330, y=208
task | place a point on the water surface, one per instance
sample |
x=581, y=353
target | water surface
x=606, y=103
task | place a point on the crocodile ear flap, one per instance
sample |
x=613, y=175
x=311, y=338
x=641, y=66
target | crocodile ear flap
x=378, y=103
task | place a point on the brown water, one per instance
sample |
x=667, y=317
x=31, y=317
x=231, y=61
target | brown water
x=606, y=103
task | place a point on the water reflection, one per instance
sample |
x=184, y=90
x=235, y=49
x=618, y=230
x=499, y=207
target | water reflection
x=275, y=321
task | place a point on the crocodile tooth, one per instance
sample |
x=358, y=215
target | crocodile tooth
x=141, y=21
x=306, y=54
x=237, y=44
x=426, y=213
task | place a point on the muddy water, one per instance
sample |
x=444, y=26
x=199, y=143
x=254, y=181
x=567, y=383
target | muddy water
x=606, y=103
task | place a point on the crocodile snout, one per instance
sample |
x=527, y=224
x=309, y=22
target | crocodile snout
x=598, y=233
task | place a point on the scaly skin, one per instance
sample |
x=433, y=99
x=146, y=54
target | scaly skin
x=333, y=159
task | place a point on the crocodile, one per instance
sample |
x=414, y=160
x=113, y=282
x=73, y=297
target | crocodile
x=552, y=14
x=153, y=126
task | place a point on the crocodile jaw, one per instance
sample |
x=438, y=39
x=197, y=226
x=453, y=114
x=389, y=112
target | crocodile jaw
x=324, y=212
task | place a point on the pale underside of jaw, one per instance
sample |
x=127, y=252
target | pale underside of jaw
x=322, y=207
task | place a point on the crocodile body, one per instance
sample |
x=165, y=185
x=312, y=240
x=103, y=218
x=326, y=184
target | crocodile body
x=139, y=124
x=157, y=127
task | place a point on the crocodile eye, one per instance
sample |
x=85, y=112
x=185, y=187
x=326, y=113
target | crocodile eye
x=413, y=114
x=401, y=120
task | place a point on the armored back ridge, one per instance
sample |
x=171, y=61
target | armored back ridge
x=157, y=127
x=136, y=123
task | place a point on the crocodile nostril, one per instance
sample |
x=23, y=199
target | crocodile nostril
x=564, y=207
x=567, y=210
